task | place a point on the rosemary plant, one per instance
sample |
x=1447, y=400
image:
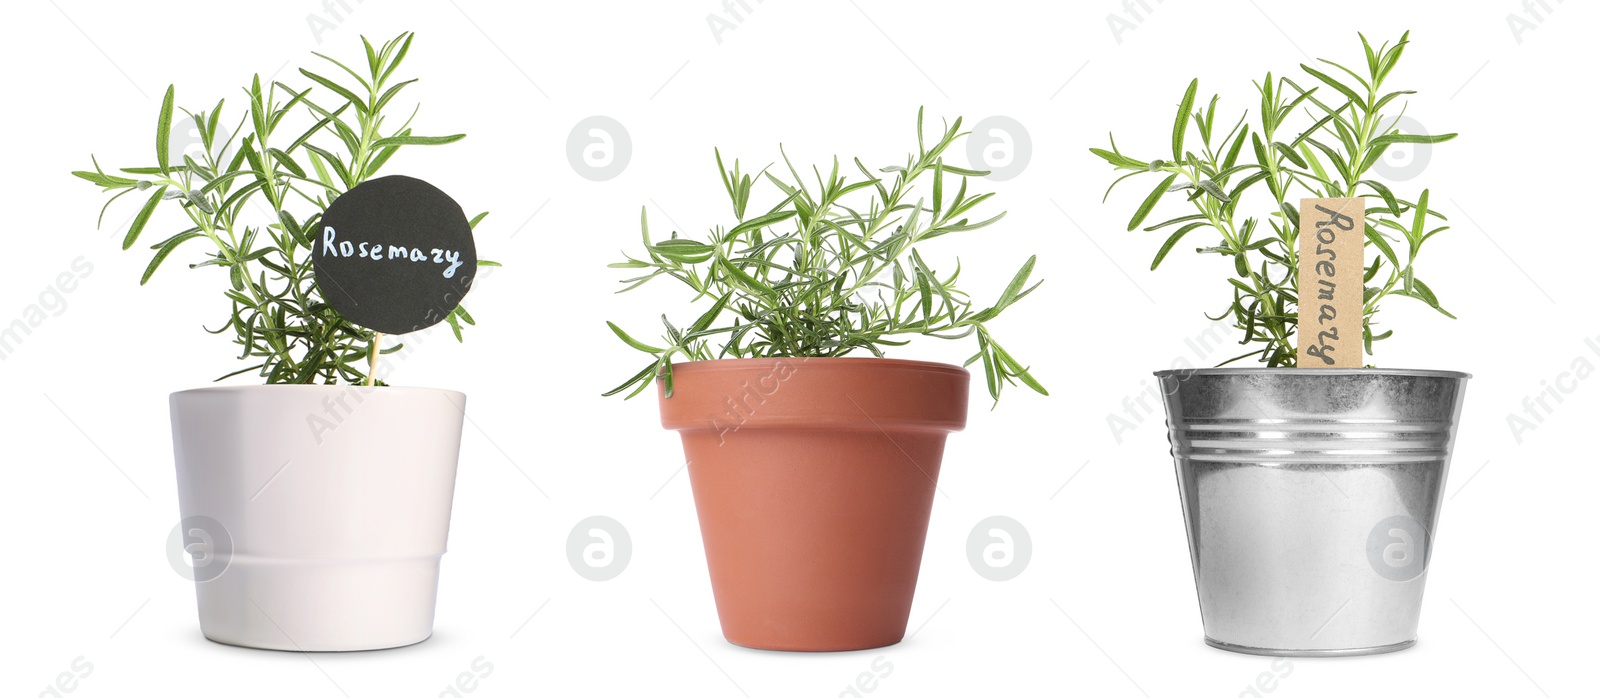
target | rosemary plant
x=1347, y=132
x=243, y=199
x=828, y=271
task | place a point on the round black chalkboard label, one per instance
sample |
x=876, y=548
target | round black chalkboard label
x=394, y=254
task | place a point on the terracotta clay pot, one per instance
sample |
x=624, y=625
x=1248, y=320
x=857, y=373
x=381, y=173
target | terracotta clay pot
x=814, y=479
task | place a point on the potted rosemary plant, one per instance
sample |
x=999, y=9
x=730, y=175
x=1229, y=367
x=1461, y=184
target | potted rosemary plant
x=814, y=469
x=316, y=505
x=1310, y=495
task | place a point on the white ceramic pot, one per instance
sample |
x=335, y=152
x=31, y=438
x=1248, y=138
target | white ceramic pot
x=320, y=511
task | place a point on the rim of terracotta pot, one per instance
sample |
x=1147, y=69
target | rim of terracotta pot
x=313, y=388
x=924, y=395
x=715, y=364
x=1220, y=371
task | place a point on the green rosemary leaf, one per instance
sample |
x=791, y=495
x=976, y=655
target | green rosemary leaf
x=142, y=218
x=417, y=140
x=164, y=130
x=1150, y=201
x=1181, y=124
x=1172, y=240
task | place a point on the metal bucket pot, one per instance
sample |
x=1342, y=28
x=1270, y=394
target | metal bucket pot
x=1311, y=500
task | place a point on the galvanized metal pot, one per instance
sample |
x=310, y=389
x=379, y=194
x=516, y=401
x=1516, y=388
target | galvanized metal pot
x=1311, y=499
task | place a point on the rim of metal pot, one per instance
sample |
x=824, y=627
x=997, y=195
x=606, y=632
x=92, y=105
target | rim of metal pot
x=1412, y=372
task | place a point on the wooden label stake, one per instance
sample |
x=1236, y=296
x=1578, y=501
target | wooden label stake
x=372, y=358
x=1332, y=236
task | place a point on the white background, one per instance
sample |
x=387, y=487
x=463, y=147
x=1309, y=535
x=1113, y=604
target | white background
x=1106, y=606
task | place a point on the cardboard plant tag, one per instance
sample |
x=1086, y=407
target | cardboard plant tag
x=1332, y=306
x=394, y=254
